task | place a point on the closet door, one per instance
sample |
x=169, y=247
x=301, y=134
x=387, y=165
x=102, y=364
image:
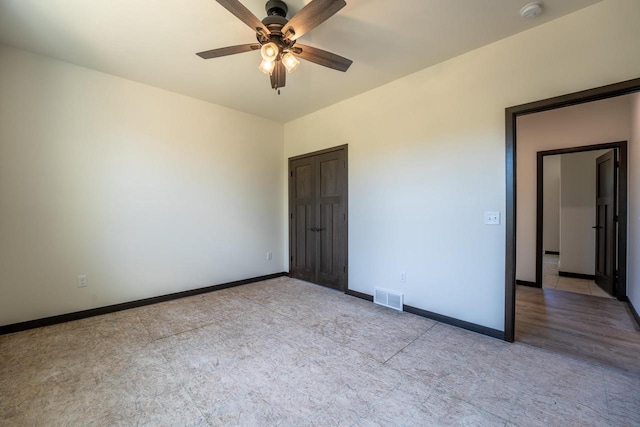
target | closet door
x=302, y=206
x=318, y=216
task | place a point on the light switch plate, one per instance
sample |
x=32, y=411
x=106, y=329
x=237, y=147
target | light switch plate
x=492, y=218
x=82, y=281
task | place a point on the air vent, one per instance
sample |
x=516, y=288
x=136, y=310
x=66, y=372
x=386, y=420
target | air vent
x=389, y=299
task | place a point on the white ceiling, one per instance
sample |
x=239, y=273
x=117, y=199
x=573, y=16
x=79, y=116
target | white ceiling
x=155, y=42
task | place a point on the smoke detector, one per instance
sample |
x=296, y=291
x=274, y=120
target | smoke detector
x=531, y=10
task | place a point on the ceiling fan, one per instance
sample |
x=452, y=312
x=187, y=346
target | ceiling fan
x=277, y=37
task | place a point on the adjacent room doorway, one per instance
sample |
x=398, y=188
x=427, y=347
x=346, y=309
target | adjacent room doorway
x=318, y=219
x=584, y=326
x=607, y=203
x=511, y=114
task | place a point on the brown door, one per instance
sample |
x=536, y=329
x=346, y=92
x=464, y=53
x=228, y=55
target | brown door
x=606, y=192
x=318, y=217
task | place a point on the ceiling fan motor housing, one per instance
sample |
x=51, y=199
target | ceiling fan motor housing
x=275, y=20
x=277, y=47
x=277, y=8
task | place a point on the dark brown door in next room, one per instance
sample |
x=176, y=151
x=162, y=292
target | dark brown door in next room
x=318, y=217
x=606, y=230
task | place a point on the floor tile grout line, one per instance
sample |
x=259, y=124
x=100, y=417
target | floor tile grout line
x=412, y=341
x=319, y=333
x=313, y=331
x=203, y=325
x=589, y=283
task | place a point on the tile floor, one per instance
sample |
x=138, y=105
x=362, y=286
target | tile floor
x=287, y=353
x=551, y=280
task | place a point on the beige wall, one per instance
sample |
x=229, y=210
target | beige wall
x=551, y=205
x=578, y=212
x=427, y=156
x=585, y=124
x=148, y=192
x=145, y=191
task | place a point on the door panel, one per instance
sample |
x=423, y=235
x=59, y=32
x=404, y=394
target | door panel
x=328, y=239
x=303, y=243
x=601, y=236
x=303, y=222
x=329, y=178
x=303, y=182
x=606, y=230
x=332, y=214
x=324, y=245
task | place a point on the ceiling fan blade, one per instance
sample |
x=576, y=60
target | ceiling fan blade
x=245, y=15
x=310, y=16
x=322, y=57
x=229, y=50
x=278, y=76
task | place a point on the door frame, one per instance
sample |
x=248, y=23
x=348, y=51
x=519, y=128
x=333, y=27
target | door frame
x=511, y=114
x=621, y=250
x=344, y=147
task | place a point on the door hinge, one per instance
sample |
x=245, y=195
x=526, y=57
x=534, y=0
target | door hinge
x=615, y=218
x=344, y=269
x=291, y=215
x=617, y=164
x=344, y=217
x=291, y=258
x=291, y=174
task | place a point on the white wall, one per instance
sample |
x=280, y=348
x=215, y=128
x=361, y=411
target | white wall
x=148, y=192
x=578, y=212
x=585, y=124
x=427, y=156
x=145, y=191
x=633, y=256
x=551, y=204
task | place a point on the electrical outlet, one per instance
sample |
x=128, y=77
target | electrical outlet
x=269, y=256
x=403, y=277
x=82, y=281
x=492, y=218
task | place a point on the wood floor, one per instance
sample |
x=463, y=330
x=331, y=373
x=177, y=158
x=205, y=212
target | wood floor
x=591, y=328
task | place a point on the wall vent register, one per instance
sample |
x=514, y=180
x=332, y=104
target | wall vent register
x=388, y=298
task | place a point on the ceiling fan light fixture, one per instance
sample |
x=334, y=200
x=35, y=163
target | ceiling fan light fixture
x=269, y=51
x=267, y=66
x=290, y=62
x=276, y=36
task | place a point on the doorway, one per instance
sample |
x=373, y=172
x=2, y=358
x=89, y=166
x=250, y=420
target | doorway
x=318, y=219
x=511, y=114
x=588, y=218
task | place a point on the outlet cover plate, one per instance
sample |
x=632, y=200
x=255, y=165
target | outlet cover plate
x=82, y=281
x=492, y=218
